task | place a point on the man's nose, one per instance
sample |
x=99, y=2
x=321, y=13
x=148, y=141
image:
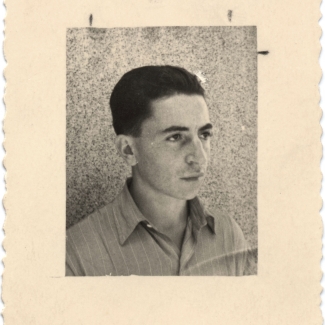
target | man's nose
x=197, y=155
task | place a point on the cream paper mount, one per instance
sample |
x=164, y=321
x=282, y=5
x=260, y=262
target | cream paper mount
x=286, y=289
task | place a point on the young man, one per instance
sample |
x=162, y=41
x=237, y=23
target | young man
x=157, y=225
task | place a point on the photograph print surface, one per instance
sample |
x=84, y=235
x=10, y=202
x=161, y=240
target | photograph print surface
x=225, y=61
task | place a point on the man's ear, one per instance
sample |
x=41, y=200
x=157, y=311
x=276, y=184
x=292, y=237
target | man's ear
x=125, y=146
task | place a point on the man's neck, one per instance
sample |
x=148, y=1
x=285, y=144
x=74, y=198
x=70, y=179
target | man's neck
x=166, y=213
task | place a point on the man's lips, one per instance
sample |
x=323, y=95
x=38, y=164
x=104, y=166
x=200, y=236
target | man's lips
x=193, y=177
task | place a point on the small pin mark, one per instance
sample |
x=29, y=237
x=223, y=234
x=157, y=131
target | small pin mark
x=90, y=20
x=263, y=52
x=229, y=15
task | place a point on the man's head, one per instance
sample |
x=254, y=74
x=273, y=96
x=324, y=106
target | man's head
x=133, y=95
x=168, y=147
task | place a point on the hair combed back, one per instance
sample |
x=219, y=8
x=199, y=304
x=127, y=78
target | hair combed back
x=137, y=89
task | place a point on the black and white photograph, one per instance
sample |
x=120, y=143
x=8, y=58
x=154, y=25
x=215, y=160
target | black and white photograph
x=161, y=151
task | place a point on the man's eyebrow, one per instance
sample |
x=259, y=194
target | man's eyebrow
x=207, y=126
x=176, y=128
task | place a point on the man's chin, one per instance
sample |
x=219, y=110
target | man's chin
x=190, y=190
x=182, y=190
x=187, y=195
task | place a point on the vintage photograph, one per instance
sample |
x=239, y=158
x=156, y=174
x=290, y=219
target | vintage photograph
x=163, y=162
x=161, y=151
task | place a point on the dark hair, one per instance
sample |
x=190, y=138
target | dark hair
x=133, y=94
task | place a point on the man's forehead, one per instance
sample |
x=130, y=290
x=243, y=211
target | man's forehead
x=183, y=110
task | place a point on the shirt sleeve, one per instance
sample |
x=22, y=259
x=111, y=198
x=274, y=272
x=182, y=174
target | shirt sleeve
x=68, y=270
x=251, y=262
x=246, y=257
x=73, y=255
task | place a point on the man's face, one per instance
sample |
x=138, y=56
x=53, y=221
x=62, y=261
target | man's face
x=174, y=147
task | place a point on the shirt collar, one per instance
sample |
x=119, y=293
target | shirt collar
x=200, y=216
x=128, y=216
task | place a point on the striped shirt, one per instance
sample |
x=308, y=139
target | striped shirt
x=118, y=240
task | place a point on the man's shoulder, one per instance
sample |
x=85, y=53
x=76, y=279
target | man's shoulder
x=87, y=240
x=234, y=240
x=91, y=226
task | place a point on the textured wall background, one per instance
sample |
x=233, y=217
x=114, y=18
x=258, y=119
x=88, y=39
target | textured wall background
x=97, y=58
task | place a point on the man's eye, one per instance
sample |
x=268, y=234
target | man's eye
x=175, y=137
x=206, y=135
